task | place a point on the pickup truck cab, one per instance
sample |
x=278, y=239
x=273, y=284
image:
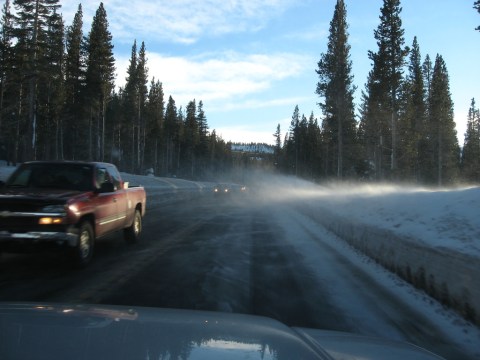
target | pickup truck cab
x=67, y=205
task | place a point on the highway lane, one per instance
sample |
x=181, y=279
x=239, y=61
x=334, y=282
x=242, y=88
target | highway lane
x=235, y=255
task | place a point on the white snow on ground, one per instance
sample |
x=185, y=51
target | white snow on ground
x=365, y=313
x=442, y=218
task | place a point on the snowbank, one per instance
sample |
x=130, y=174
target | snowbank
x=431, y=238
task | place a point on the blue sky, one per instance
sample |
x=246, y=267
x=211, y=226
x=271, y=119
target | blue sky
x=252, y=61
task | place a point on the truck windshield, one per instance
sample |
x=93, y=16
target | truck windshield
x=53, y=175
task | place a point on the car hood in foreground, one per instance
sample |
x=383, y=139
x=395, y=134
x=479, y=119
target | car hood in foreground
x=63, y=331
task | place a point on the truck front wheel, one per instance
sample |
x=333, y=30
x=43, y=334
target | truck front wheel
x=82, y=253
x=132, y=233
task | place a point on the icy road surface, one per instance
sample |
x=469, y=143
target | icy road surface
x=244, y=255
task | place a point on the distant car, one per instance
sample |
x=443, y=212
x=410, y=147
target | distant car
x=222, y=189
x=68, y=331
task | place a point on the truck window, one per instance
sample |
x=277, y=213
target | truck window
x=106, y=174
x=115, y=177
x=53, y=175
x=101, y=177
x=21, y=177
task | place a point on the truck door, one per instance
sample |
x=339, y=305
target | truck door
x=123, y=207
x=107, y=218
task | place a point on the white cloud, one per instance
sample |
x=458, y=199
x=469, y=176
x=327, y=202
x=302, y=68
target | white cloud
x=218, y=78
x=245, y=135
x=180, y=21
x=262, y=133
x=258, y=104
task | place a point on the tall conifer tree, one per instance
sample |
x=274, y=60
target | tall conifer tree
x=75, y=125
x=471, y=147
x=8, y=135
x=32, y=33
x=154, y=124
x=100, y=76
x=336, y=91
x=444, y=146
x=171, y=136
x=142, y=94
x=52, y=91
x=384, y=85
x=130, y=108
x=192, y=137
x=412, y=121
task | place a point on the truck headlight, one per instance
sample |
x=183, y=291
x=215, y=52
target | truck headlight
x=50, y=220
x=54, y=209
x=55, y=214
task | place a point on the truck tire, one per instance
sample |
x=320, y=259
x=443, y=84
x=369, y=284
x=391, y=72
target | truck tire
x=82, y=253
x=132, y=233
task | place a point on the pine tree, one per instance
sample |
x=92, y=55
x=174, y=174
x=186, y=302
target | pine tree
x=130, y=106
x=32, y=33
x=336, y=89
x=154, y=124
x=171, y=136
x=278, y=147
x=100, y=75
x=142, y=80
x=383, y=88
x=117, y=138
x=293, y=143
x=192, y=138
x=302, y=136
x=202, y=129
x=444, y=147
x=366, y=141
x=203, y=138
x=52, y=92
x=8, y=135
x=412, y=121
x=313, y=147
x=471, y=147
x=75, y=125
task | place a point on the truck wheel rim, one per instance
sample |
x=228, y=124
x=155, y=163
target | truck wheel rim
x=137, y=225
x=84, y=244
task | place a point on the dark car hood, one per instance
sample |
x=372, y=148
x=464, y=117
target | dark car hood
x=62, y=331
x=37, y=195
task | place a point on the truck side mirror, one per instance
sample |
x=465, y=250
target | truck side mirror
x=106, y=187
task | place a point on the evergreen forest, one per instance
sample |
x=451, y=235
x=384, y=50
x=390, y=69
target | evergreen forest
x=59, y=101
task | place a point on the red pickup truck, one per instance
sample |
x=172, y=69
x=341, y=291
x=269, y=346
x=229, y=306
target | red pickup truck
x=67, y=205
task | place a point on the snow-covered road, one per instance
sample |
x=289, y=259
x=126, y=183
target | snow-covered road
x=276, y=260
x=277, y=253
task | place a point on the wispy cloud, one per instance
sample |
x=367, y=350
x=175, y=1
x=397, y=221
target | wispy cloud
x=219, y=78
x=181, y=21
x=259, y=104
x=262, y=133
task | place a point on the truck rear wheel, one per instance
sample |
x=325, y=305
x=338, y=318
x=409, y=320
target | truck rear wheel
x=132, y=233
x=82, y=253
